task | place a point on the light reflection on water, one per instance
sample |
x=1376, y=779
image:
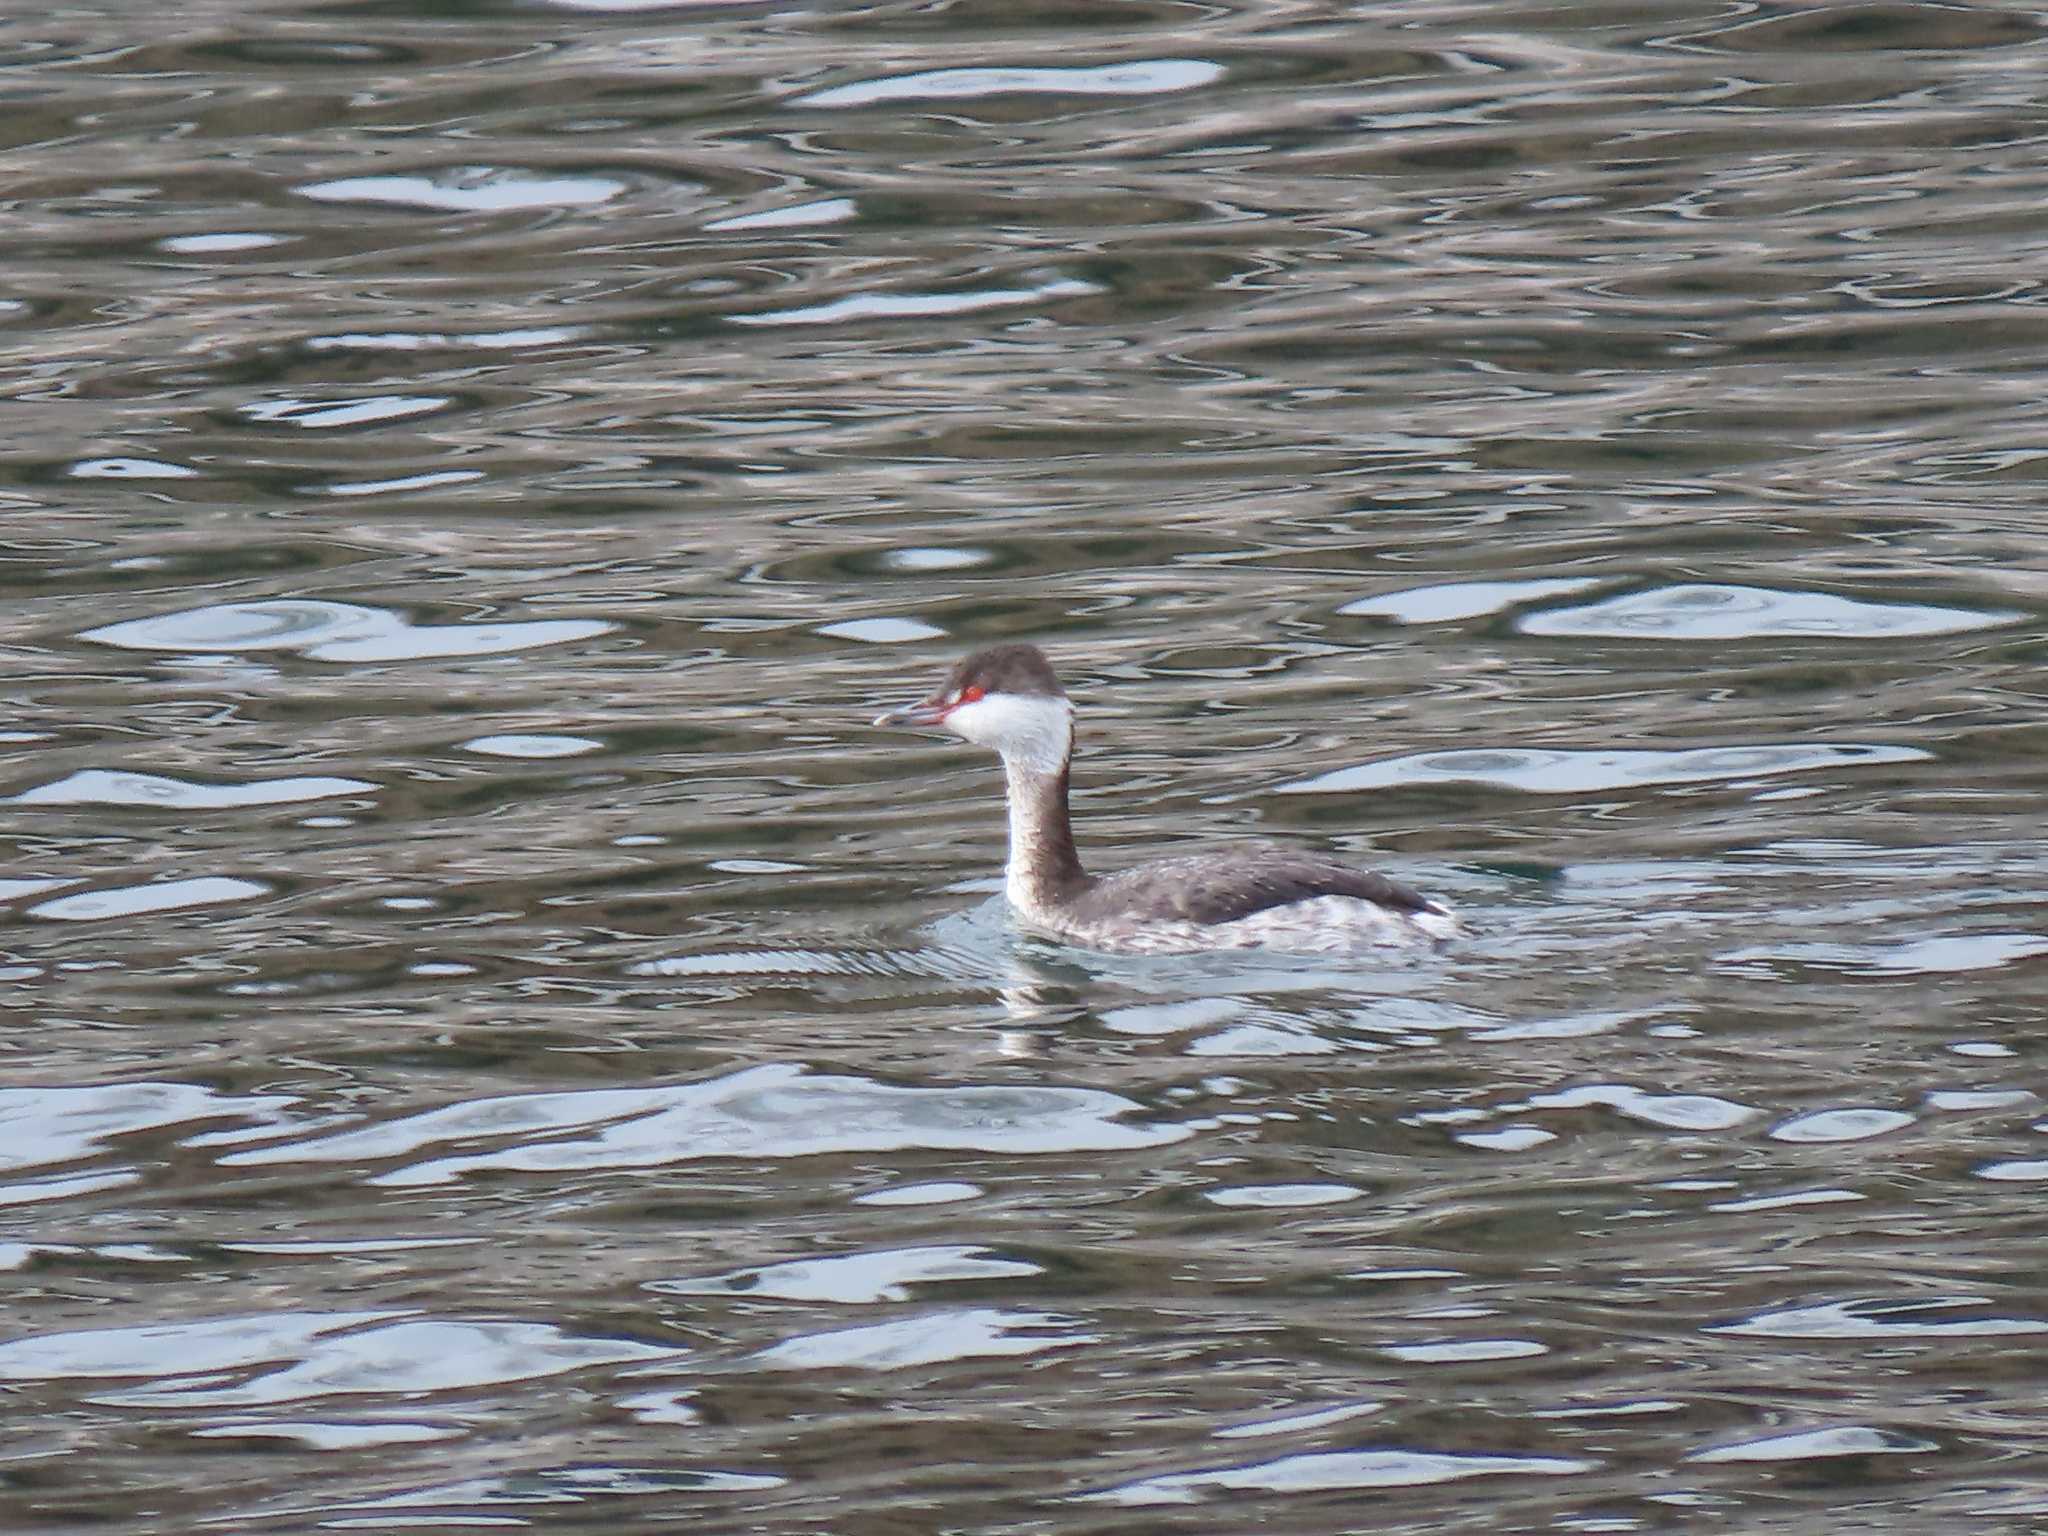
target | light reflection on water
x=497, y=1037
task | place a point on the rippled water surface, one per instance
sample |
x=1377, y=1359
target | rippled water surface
x=494, y=1039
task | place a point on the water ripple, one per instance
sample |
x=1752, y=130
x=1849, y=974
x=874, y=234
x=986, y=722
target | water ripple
x=1820, y=1444
x=1331, y=1470
x=1701, y=612
x=1143, y=77
x=330, y=631
x=1449, y=602
x=1871, y=1318
x=57, y=1124
x=933, y=1338
x=467, y=189
x=150, y=896
x=1678, y=1112
x=1841, y=1125
x=231, y=1361
x=856, y=1278
x=1555, y=772
x=99, y=786
x=770, y=1111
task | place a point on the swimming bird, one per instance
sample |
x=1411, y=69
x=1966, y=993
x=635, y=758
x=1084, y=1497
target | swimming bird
x=1253, y=895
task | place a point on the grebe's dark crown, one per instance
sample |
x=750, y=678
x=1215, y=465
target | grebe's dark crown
x=1017, y=671
x=1014, y=668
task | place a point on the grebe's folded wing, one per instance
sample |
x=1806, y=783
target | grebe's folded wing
x=1236, y=883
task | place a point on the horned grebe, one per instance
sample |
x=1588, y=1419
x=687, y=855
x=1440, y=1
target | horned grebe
x=1258, y=895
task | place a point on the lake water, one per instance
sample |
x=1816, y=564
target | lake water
x=494, y=1039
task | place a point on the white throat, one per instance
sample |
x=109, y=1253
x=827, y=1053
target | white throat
x=1033, y=732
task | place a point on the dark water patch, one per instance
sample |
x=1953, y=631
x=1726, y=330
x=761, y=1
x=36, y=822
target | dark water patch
x=1876, y=28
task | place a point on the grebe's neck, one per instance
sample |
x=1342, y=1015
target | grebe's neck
x=1044, y=869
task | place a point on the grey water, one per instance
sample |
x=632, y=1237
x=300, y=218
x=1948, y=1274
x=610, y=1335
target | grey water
x=493, y=1039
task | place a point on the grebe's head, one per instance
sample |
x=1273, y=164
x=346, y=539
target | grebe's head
x=1005, y=697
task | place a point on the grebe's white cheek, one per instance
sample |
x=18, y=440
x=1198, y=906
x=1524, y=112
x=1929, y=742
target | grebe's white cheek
x=1028, y=729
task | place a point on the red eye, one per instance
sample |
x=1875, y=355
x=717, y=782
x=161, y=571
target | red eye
x=971, y=694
